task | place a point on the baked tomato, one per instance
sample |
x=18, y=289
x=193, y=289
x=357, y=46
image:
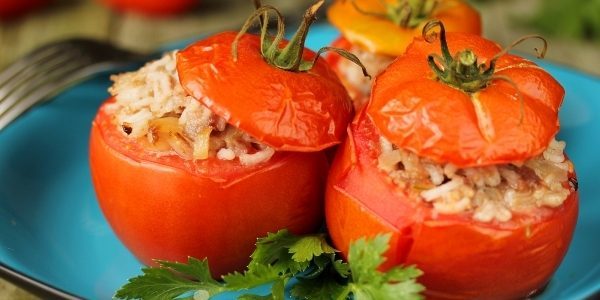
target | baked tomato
x=478, y=227
x=378, y=31
x=152, y=7
x=201, y=152
x=166, y=207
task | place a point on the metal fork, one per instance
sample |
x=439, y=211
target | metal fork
x=49, y=69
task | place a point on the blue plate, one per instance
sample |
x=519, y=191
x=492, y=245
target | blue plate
x=54, y=238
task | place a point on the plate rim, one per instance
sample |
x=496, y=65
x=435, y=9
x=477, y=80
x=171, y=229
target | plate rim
x=33, y=285
x=48, y=291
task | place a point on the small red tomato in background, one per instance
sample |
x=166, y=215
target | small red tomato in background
x=152, y=7
x=14, y=8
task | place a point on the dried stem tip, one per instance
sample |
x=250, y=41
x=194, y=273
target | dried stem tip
x=290, y=57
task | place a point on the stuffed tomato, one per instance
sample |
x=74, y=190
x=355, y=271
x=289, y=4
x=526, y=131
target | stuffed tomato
x=459, y=161
x=378, y=31
x=208, y=148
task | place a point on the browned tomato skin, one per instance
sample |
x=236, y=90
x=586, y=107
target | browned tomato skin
x=289, y=111
x=168, y=208
x=461, y=258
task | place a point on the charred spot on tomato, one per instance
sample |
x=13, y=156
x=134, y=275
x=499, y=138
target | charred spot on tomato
x=574, y=183
x=126, y=127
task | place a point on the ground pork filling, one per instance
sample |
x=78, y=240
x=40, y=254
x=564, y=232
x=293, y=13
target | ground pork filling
x=489, y=193
x=152, y=106
x=375, y=64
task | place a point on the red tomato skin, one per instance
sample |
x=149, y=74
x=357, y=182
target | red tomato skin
x=161, y=209
x=411, y=108
x=289, y=111
x=152, y=7
x=14, y=8
x=461, y=258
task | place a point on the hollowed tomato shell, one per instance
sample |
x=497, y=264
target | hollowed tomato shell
x=163, y=207
x=460, y=257
x=289, y=111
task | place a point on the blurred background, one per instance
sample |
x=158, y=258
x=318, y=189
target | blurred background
x=571, y=26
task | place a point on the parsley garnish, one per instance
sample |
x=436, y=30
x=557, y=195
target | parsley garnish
x=318, y=273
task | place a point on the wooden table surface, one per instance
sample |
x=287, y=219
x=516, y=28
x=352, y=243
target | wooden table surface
x=70, y=18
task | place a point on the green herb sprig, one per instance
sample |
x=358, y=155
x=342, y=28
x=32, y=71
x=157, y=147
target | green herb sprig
x=318, y=271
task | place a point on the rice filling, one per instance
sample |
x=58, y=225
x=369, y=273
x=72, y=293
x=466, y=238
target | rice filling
x=490, y=192
x=375, y=64
x=152, y=107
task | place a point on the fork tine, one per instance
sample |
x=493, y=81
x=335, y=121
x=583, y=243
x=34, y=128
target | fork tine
x=33, y=58
x=34, y=92
x=30, y=72
x=46, y=71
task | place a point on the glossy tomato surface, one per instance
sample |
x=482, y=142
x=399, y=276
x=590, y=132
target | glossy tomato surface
x=152, y=7
x=461, y=258
x=162, y=207
x=505, y=121
x=290, y=111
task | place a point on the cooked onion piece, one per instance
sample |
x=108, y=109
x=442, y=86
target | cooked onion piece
x=152, y=106
x=489, y=192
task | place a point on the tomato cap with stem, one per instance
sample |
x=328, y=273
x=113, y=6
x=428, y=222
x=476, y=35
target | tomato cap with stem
x=277, y=91
x=451, y=108
x=463, y=71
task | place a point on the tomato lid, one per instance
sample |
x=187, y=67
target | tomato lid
x=509, y=114
x=389, y=29
x=290, y=110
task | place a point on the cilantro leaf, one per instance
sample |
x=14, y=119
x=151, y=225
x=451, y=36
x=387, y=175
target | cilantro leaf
x=274, y=249
x=365, y=256
x=277, y=292
x=164, y=282
x=306, y=248
x=319, y=289
x=403, y=274
x=368, y=283
x=260, y=274
x=255, y=297
x=278, y=289
x=341, y=268
x=278, y=257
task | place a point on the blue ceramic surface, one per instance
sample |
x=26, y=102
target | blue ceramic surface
x=52, y=230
